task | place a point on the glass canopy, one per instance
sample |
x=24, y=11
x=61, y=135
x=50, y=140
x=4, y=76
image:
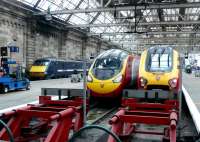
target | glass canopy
x=114, y=33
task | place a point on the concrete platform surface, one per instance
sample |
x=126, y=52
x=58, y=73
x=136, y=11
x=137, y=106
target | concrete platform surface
x=20, y=97
x=192, y=85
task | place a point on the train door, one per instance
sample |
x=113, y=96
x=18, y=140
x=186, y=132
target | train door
x=58, y=69
x=51, y=70
x=63, y=68
x=80, y=67
x=61, y=72
x=66, y=65
x=76, y=67
x=135, y=70
x=70, y=68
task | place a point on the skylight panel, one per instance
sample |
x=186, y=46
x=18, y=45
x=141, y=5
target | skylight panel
x=45, y=4
x=29, y=2
x=97, y=30
x=171, y=35
x=77, y=20
x=149, y=19
x=109, y=30
x=73, y=2
x=83, y=5
x=192, y=13
x=92, y=4
x=171, y=14
x=150, y=15
x=171, y=28
x=193, y=0
x=64, y=16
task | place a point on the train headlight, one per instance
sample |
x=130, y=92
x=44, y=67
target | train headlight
x=89, y=78
x=173, y=82
x=143, y=81
x=118, y=79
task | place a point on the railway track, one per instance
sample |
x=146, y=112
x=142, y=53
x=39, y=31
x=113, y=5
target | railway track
x=98, y=116
x=104, y=116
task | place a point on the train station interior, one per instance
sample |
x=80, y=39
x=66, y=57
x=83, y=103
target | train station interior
x=100, y=70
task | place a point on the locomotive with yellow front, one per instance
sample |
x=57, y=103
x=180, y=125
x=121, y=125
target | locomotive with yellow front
x=159, y=69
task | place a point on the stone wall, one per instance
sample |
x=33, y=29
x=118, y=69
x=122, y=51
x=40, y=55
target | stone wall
x=13, y=33
x=37, y=38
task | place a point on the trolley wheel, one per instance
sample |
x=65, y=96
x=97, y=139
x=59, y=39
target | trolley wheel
x=5, y=89
x=28, y=87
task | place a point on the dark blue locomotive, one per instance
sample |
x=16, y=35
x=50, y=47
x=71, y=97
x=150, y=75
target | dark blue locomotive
x=46, y=68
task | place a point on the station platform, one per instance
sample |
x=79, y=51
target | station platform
x=191, y=92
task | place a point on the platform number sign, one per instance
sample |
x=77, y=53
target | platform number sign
x=4, y=51
x=14, y=49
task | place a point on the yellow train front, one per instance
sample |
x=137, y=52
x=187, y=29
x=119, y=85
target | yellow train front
x=109, y=74
x=159, y=69
x=39, y=68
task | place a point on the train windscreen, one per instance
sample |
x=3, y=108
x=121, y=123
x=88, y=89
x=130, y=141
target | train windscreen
x=159, y=60
x=41, y=63
x=109, y=64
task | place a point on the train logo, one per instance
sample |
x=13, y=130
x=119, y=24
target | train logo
x=101, y=85
x=157, y=77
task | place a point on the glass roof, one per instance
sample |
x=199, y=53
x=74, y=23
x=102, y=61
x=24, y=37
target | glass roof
x=79, y=18
x=148, y=15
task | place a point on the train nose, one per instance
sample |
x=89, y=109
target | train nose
x=101, y=87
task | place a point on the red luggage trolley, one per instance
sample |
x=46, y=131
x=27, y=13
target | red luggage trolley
x=149, y=107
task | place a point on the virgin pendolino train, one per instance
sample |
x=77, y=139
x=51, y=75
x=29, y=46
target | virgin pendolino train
x=111, y=72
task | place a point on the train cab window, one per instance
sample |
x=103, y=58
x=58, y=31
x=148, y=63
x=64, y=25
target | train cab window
x=159, y=60
x=41, y=63
x=109, y=64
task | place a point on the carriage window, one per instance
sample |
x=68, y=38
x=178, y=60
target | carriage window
x=160, y=62
x=108, y=63
x=41, y=63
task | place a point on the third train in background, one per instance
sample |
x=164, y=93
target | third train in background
x=47, y=68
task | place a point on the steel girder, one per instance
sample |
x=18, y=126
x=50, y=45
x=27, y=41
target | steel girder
x=78, y=5
x=167, y=23
x=37, y=3
x=125, y=8
x=161, y=43
x=154, y=38
x=149, y=33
